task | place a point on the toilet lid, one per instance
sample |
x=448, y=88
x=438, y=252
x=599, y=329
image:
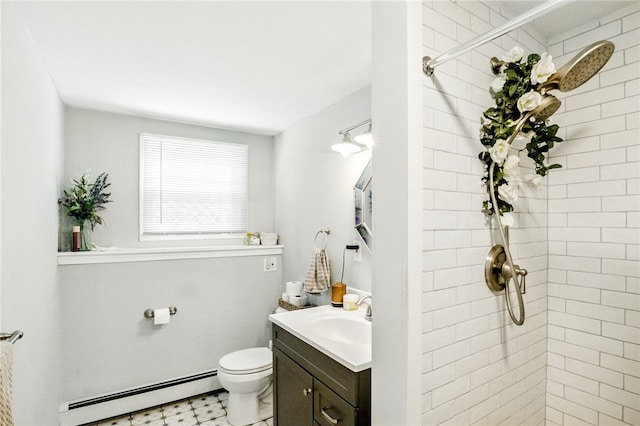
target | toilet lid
x=247, y=360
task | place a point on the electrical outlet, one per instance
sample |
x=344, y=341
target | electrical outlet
x=357, y=255
x=270, y=264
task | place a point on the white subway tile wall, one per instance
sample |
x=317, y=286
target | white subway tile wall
x=576, y=360
x=477, y=366
x=595, y=305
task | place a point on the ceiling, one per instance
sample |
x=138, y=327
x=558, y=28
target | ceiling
x=256, y=66
x=567, y=16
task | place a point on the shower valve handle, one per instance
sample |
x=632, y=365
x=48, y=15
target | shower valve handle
x=523, y=281
x=508, y=273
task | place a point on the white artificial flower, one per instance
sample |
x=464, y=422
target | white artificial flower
x=534, y=180
x=529, y=101
x=498, y=83
x=543, y=69
x=510, y=167
x=499, y=151
x=508, y=219
x=514, y=55
x=509, y=192
x=521, y=141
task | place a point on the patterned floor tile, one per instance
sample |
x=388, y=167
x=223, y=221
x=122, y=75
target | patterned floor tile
x=204, y=400
x=185, y=419
x=201, y=410
x=146, y=417
x=178, y=407
x=119, y=421
x=210, y=412
x=222, y=421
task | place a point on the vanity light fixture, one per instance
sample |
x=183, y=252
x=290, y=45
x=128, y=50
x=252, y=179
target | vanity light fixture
x=347, y=147
x=366, y=138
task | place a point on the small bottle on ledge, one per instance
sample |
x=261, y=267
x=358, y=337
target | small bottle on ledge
x=75, y=242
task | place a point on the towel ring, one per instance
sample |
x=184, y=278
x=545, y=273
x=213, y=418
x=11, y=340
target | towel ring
x=324, y=232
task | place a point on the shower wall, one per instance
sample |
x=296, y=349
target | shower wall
x=594, y=235
x=577, y=358
x=477, y=366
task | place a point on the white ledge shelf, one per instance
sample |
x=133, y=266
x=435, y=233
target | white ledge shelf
x=165, y=253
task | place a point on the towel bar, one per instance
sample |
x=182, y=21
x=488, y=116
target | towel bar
x=12, y=337
x=148, y=313
x=324, y=232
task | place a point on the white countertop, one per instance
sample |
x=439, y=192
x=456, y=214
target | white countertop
x=343, y=335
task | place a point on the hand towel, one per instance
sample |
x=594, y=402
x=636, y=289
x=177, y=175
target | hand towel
x=319, y=274
x=6, y=368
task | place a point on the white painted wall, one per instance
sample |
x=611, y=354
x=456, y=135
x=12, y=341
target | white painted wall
x=477, y=367
x=315, y=191
x=594, y=235
x=99, y=141
x=108, y=345
x=397, y=163
x=222, y=303
x=32, y=139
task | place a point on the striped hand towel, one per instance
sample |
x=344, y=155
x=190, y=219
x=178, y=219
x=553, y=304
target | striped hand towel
x=319, y=274
x=6, y=367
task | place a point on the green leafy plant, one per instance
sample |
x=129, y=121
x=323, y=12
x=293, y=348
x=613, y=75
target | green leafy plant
x=516, y=91
x=83, y=200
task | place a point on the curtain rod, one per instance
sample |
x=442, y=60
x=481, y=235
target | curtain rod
x=428, y=63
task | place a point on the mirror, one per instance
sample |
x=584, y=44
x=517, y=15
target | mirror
x=363, y=203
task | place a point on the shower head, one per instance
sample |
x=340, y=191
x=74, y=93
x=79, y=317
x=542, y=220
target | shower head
x=581, y=68
x=548, y=106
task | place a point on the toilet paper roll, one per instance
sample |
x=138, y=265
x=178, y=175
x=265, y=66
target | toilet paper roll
x=294, y=288
x=161, y=316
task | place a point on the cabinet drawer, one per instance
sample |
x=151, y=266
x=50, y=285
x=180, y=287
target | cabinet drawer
x=329, y=409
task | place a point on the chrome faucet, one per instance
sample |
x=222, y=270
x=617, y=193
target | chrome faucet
x=367, y=316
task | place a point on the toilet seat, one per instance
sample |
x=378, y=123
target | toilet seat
x=246, y=361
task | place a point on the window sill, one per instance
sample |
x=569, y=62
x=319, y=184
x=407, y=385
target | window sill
x=168, y=253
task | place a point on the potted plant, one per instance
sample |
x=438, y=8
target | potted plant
x=83, y=201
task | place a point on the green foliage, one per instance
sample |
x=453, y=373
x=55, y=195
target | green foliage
x=499, y=122
x=83, y=200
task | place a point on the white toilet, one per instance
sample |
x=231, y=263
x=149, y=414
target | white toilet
x=246, y=375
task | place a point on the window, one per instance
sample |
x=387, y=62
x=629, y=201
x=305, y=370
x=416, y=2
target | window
x=190, y=186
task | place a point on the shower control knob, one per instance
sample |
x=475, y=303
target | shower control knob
x=306, y=392
x=523, y=281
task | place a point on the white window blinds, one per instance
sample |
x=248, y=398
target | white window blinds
x=191, y=186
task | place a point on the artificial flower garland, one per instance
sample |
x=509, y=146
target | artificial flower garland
x=515, y=92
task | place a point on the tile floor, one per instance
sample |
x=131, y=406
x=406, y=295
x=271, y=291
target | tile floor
x=205, y=410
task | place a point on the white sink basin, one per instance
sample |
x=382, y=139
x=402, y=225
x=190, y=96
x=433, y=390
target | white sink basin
x=343, y=335
x=341, y=329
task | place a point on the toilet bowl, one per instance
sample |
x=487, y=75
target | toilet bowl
x=246, y=375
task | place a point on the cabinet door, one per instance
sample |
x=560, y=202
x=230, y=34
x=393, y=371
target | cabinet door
x=330, y=409
x=293, y=392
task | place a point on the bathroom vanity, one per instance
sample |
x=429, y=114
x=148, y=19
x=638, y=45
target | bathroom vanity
x=320, y=377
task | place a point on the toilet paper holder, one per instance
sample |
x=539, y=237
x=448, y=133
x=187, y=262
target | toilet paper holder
x=148, y=313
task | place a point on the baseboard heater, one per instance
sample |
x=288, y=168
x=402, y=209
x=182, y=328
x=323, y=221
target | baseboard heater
x=133, y=399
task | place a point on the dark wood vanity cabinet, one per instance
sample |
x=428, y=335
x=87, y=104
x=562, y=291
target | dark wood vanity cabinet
x=311, y=388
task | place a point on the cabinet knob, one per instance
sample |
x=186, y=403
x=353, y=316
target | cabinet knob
x=306, y=392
